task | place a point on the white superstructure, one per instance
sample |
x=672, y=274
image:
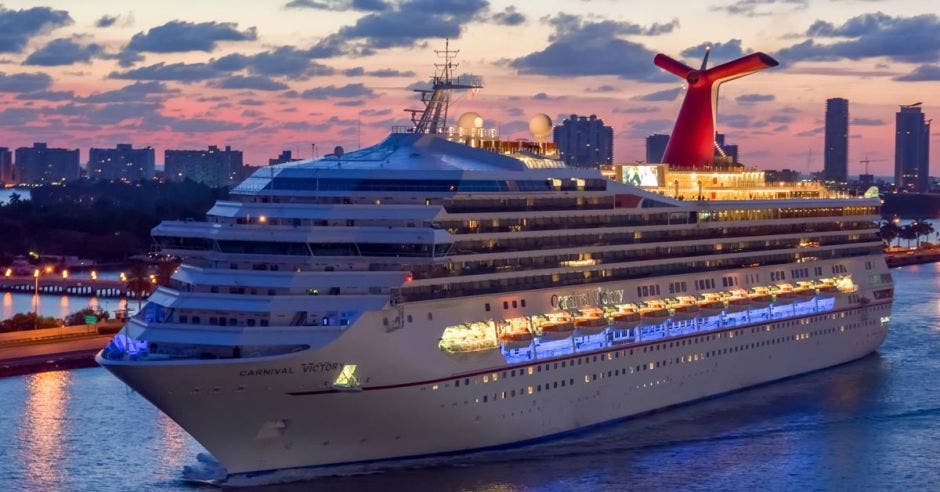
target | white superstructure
x=421, y=297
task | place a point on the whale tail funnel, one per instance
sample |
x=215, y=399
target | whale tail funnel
x=692, y=141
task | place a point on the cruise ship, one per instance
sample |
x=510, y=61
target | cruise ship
x=423, y=296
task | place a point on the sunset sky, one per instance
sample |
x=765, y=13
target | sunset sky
x=269, y=75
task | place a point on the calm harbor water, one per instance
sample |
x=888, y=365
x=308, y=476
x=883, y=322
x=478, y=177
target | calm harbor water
x=60, y=306
x=872, y=424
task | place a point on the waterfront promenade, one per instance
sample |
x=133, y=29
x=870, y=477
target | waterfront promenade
x=53, y=349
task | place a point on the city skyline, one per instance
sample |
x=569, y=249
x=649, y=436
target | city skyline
x=335, y=73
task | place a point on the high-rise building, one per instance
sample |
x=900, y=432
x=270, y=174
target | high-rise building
x=6, y=166
x=727, y=150
x=911, y=149
x=40, y=164
x=285, y=156
x=123, y=162
x=656, y=147
x=213, y=167
x=836, y=160
x=584, y=141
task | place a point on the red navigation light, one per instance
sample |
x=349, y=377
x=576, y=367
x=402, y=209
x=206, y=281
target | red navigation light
x=409, y=277
x=692, y=142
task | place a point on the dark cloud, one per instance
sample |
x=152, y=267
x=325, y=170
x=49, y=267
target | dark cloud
x=508, y=17
x=331, y=91
x=754, y=98
x=106, y=21
x=663, y=95
x=643, y=128
x=180, y=72
x=24, y=82
x=382, y=72
x=46, y=95
x=602, y=88
x=811, y=132
x=376, y=112
x=251, y=102
x=17, y=27
x=63, y=51
x=637, y=110
x=17, y=116
x=282, y=61
x=339, y=5
x=401, y=25
x=541, y=96
x=181, y=36
x=252, y=113
x=137, y=91
x=867, y=122
x=321, y=126
x=582, y=47
x=720, y=52
x=351, y=103
x=922, y=73
x=253, y=82
x=758, y=8
x=906, y=39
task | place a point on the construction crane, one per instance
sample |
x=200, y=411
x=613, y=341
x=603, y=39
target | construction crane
x=868, y=161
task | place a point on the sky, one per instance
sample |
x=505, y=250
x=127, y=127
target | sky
x=268, y=75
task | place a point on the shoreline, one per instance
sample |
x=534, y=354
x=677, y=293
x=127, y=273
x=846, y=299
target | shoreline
x=896, y=259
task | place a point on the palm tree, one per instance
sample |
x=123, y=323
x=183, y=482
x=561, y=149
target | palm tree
x=138, y=281
x=165, y=270
x=907, y=233
x=889, y=232
x=923, y=228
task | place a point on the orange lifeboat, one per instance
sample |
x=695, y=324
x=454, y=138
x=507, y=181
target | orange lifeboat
x=516, y=339
x=685, y=311
x=588, y=325
x=554, y=330
x=711, y=306
x=656, y=314
x=828, y=289
x=626, y=319
x=760, y=300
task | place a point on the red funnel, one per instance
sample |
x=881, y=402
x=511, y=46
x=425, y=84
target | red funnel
x=692, y=142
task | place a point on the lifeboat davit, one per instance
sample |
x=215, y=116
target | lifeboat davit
x=626, y=319
x=654, y=314
x=556, y=330
x=760, y=300
x=516, y=339
x=589, y=325
x=685, y=311
x=711, y=306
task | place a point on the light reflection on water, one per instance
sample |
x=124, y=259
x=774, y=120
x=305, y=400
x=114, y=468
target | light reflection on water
x=42, y=427
x=870, y=425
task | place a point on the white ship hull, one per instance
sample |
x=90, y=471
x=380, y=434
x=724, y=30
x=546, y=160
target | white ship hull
x=281, y=412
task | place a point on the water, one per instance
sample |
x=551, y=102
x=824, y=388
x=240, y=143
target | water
x=873, y=424
x=60, y=306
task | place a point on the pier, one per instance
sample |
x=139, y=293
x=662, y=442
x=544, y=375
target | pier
x=68, y=286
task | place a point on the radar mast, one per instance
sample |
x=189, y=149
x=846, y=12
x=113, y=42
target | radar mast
x=433, y=118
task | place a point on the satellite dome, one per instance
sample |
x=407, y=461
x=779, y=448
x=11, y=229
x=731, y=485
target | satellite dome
x=470, y=121
x=541, y=126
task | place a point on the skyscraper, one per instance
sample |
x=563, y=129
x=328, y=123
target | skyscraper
x=40, y=164
x=6, y=166
x=656, y=147
x=584, y=141
x=123, y=162
x=836, y=164
x=213, y=167
x=911, y=149
x=729, y=150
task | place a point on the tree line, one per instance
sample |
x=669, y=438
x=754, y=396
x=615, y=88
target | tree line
x=891, y=230
x=104, y=221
